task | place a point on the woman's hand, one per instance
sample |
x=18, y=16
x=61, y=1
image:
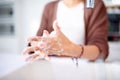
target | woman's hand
x=55, y=43
x=38, y=52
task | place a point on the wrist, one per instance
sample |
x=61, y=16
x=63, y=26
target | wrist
x=77, y=51
x=82, y=51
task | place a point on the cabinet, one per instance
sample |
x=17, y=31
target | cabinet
x=114, y=23
x=113, y=9
x=23, y=23
x=9, y=26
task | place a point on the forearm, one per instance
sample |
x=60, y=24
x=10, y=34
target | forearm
x=90, y=52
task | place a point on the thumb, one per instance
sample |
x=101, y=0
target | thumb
x=56, y=27
x=45, y=33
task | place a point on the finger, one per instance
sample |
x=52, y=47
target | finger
x=58, y=32
x=32, y=56
x=42, y=55
x=34, y=38
x=57, y=29
x=55, y=26
x=36, y=56
x=34, y=43
x=35, y=59
x=29, y=49
x=45, y=33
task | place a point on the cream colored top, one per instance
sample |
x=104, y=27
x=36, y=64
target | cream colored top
x=71, y=22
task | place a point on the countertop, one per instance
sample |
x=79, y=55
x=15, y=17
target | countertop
x=14, y=68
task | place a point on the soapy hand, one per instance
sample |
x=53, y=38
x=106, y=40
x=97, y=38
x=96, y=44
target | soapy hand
x=55, y=43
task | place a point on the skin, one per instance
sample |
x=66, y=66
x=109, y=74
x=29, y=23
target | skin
x=91, y=52
x=72, y=3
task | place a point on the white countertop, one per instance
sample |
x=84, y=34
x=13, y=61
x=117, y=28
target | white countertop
x=13, y=67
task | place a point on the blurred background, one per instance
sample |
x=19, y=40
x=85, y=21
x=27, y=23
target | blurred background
x=20, y=19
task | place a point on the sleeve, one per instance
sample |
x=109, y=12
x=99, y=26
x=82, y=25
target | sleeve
x=44, y=21
x=98, y=29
